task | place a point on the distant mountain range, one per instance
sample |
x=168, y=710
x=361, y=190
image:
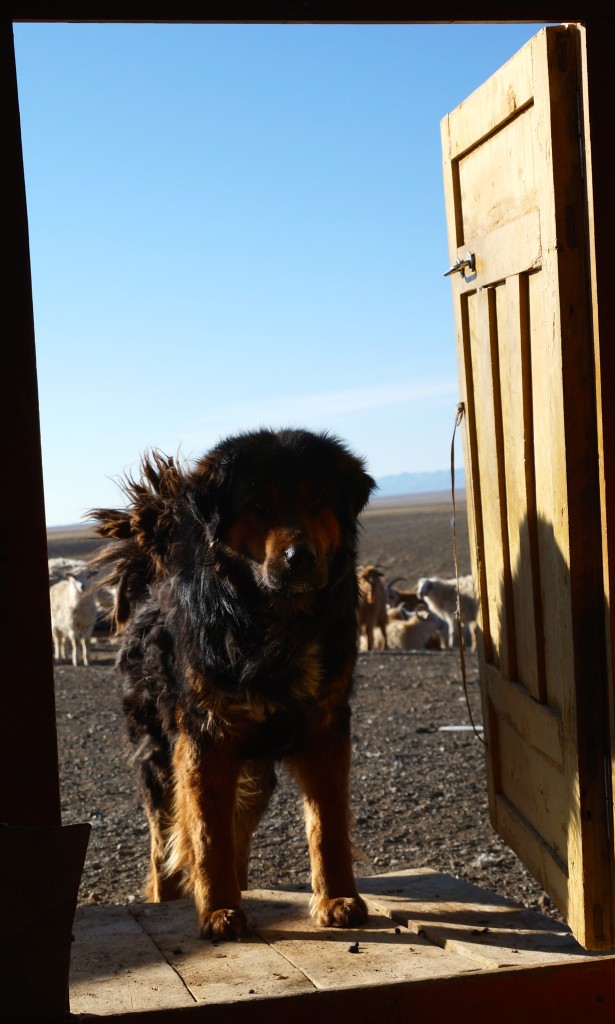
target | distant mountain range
x=419, y=483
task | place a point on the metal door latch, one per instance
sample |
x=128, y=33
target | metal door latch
x=461, y=266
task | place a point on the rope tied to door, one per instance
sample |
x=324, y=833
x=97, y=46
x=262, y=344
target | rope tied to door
x=459, y=414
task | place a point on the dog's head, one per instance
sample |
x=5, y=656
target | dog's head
x=281, y=503
x=279, y=507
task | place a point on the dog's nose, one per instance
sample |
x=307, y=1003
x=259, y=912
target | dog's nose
x=300, y=558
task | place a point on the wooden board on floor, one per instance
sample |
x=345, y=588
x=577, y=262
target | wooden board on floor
x=424, y=926
x=468, y=921
x=218, y=972
x=116, y=966
x=385, y=951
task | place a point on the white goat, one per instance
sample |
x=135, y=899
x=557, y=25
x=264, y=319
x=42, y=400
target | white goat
x=440, y=596
x=60, y=568
x=73, y=616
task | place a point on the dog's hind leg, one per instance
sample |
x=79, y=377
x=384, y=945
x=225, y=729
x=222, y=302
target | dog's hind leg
x=322, y=769
x=256, y=785
x=153, y=757
x=162, y=884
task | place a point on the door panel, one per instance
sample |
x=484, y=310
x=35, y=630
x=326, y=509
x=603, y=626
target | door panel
x=513, y=370
x=515, y=199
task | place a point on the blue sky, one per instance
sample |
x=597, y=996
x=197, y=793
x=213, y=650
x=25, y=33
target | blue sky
x=240, y=226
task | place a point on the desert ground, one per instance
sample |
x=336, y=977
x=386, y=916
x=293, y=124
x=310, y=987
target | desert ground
x=419, y=793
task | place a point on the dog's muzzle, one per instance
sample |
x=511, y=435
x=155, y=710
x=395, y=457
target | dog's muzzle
x=296, y=570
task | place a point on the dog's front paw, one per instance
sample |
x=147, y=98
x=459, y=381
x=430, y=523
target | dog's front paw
x=344, y=912
x=227, y=925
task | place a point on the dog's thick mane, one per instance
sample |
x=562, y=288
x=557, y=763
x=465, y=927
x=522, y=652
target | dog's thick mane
x=253, y=645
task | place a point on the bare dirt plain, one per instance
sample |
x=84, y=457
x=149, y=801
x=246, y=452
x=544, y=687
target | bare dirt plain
x=419, y=794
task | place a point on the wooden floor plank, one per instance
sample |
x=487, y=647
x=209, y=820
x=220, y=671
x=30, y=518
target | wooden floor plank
x=218, y=972
x=334, y=958
x=115, y=966
x=427, y=932
x=466, y=920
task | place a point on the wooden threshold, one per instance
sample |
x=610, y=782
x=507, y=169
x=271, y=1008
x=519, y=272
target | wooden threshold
x=432, y=943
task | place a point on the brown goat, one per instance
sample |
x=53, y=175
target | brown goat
x=372, y=610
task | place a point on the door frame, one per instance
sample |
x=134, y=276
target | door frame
x=31, y=770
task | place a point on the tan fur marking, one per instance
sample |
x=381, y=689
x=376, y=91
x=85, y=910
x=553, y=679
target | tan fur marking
x=162, y=884
x=322, y=774
x=203, y=833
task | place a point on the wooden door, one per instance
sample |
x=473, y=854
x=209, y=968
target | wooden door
x=515, y=203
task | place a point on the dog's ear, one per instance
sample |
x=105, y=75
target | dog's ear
x=355, y=482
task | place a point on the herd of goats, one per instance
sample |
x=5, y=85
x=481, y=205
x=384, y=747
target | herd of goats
x=389, y=618
x=426, y=618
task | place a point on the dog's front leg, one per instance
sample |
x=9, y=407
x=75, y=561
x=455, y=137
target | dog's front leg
x=322, y=769
x=206, y=774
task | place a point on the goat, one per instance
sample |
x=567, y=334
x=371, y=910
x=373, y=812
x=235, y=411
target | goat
x=397, y=613
x=372, y=609
x=60, y=568
x=422, y=631
x=74, y=611
x=440, y=596
x=408, y=599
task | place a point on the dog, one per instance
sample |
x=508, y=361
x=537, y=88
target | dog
x=236, y=599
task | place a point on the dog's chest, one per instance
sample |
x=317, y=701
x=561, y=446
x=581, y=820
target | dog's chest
x=254, y=686
x=283, y=683
x=268, y=716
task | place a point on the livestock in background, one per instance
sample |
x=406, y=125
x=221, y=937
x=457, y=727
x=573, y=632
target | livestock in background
x=372, y=609
x=421, y=632
x=397, y=597
x=60, y=568
x=399, y=612
x=440, y=596
x=74, y=610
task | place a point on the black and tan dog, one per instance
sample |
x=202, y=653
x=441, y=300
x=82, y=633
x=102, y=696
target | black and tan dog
x=237, y=597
